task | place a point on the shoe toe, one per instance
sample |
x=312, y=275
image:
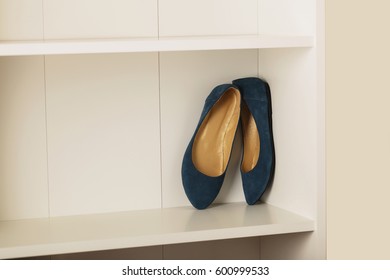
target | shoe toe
x=200, y=189
x=201, y=195
x=255, y=186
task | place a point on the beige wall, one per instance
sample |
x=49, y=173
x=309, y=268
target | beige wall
x=358, y=128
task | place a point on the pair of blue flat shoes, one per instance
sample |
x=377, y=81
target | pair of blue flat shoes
x=208, y=153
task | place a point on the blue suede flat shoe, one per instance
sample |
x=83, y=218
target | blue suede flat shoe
x=208, y=153
x=258, y=161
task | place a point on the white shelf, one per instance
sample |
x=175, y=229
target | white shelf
x=55, y=47
x=71, y=234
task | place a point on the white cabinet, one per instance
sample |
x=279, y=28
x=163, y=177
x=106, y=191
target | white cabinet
x=99, y=100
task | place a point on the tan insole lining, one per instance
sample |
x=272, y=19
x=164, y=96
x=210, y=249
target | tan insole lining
x=214, y=140
x=251, y=140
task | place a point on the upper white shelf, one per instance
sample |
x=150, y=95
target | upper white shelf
x=61, y=235
x=55, y=47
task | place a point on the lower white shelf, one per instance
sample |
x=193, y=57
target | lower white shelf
x=61, y=235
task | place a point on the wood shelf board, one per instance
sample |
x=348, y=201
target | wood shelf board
x=194, y=43
x=60, y=235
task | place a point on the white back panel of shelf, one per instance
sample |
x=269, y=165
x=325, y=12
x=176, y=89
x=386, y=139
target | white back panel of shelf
x=97, y=19
x=103, y=133
x=187, y=78
x=233, y=249
x=140, y=253
x=226, y=249
x=295, y=246
x=286, y=17
x=23, y=167
x=21, y=20
x=207, y=17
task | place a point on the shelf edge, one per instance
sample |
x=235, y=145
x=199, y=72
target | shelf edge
x=60, y=47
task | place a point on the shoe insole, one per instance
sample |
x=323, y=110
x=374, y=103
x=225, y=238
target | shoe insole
x=214, y=139
x=251, y=140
